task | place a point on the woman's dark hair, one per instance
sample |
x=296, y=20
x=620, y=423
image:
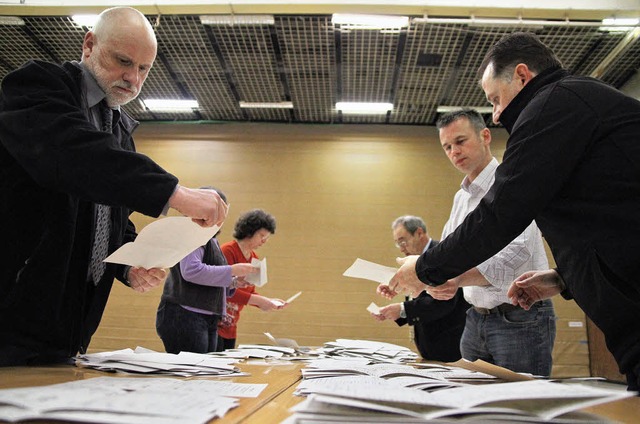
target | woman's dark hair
x=252, y=221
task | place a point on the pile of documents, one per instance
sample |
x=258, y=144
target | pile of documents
x=367, y=398
x=256, y=351
x=370, y=350
x=145, y=361
x=320, y=373
x=143, y=400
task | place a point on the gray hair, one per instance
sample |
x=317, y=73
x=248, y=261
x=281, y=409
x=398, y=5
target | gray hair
x=410, y=223
x=472, y=115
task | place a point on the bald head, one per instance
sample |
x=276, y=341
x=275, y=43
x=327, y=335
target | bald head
x=124, y=22
x=119, y=51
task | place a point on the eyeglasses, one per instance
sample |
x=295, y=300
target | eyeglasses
x=401, y=244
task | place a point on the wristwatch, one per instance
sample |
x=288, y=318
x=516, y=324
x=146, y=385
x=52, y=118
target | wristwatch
x=403, y=313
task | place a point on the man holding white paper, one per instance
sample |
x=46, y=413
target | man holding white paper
x=437, y=324
x=496, y=331
x=70, y=179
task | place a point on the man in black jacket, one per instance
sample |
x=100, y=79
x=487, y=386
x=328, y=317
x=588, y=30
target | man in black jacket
x=437, y=324
x=571, y=164
x=67, y=160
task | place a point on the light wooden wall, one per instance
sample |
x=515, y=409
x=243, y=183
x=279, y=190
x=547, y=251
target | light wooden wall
x=334, y=191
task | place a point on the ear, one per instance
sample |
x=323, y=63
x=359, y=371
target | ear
x=88, y=44
x=486, y=136
x=523, y=74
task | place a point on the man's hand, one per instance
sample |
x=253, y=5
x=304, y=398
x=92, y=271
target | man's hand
x=406, y=279
x=143, y=280
x=534, y=286
x=391, y=312
x=203, y=206
x=384, y=291
x=444, y=291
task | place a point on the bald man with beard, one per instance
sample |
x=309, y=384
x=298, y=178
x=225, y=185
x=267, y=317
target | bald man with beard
x=69, y=179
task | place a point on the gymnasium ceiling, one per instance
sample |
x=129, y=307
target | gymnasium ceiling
x=306, y=59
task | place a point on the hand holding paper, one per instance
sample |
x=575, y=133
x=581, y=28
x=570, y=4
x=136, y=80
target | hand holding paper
x=258, y=279
x=405, y=279
x=370, y=271
x=286, y=302
x=163, y=243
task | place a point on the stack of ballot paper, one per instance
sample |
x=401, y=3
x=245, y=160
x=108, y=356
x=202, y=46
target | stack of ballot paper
x=367, y=398
x=367, y=349
x=141, y=360
x=126, y=400
x=256, y=351
x=317, y=373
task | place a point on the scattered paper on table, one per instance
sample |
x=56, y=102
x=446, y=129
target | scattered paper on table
x=370, y=271
x=282, y=342
x=163, y=243
x=258, y=279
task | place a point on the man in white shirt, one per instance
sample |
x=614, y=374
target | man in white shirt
x=495, y=330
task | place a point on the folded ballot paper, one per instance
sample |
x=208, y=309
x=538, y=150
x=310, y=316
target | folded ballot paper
x=258, y=279
x=370, y=271
x=163, y=243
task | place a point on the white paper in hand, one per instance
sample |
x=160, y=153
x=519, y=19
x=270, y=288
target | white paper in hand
x=258, y=279
x=163, y=243
x=373, y=308
x=370, y=271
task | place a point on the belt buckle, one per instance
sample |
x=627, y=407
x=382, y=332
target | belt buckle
x=481, y=310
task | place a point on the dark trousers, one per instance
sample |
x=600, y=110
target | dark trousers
x=224, y=344
x=182, y=330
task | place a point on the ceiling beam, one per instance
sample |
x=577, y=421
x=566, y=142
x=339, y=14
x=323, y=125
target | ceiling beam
x=547, y=9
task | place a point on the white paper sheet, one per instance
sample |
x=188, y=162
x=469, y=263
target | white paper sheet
x=163, y=243
x=126, y=400
x=370, y=271
x=258, y=279
x=289, y=300
x=373, y=308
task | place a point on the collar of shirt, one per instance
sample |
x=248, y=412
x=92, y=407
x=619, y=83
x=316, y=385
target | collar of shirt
x=483, y=182
x=427, y=245
x=94, y=93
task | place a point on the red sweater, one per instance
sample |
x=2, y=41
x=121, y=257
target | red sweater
x=228, y=326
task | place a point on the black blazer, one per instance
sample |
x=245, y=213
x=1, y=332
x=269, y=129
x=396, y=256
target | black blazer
x=54, y=167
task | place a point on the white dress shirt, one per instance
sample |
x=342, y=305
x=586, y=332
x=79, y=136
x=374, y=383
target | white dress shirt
x=525, y=253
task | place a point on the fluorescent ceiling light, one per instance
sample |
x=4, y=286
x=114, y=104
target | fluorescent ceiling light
x=11, y=20
x=170, y=105
x=364, y=108
x=479, y=109
x=85, y=20
x=266, y=105
x=621, y=21
x=518, y=21
x=232, y=20
x=619, y=24
x=357, y=21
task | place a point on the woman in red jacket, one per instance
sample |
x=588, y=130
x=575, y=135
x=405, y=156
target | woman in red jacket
x=251, y=231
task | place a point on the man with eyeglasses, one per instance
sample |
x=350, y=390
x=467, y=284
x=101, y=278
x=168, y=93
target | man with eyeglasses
x=437, y=324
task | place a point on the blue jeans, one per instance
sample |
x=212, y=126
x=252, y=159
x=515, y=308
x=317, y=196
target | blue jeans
x=183, y=330
x=519, y=340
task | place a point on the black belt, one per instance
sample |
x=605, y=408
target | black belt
x=503, y=307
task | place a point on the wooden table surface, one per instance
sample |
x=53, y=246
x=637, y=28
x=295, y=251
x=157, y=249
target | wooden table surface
x=273, y=404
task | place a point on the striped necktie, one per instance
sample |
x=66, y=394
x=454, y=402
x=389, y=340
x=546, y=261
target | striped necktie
x=103, y=220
